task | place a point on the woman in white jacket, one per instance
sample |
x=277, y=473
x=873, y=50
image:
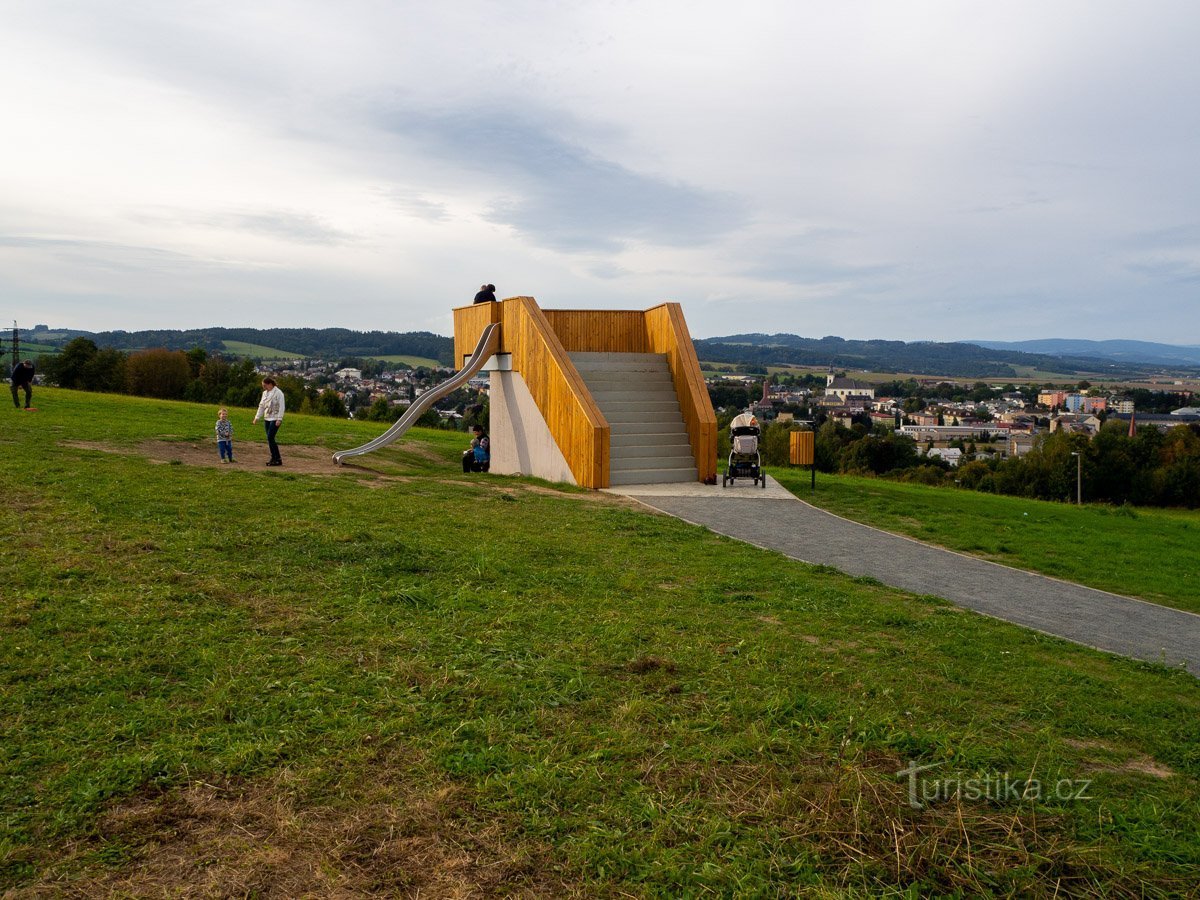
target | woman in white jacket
x=270, y=410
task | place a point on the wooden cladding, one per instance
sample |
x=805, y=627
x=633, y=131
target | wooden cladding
x=579, y=428
x=469, y=322
x=599, y=330
x=667, y=332
x=539, y=341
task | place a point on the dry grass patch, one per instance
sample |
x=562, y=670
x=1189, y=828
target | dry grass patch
x=389, y=838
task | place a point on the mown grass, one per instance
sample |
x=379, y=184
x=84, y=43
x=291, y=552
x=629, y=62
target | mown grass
x=414, y=361
x=258, y=351
x=1140, y=552
x=247, y=681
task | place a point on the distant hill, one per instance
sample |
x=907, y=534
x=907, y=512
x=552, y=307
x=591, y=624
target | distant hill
x=952, y=360
x=313, y=343
x=1145, y=352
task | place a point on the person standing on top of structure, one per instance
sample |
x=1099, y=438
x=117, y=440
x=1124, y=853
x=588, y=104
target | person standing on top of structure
x=487, y=294
x=22, y=379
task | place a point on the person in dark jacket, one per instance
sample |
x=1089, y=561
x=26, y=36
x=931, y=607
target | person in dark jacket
x=487, y=294
x=479, y=457
x=22, y=378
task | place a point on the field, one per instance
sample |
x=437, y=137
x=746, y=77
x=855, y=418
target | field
x=396, y=679
x=27, y=349
x=414, y=361
x=1141, y=552
x=257, y=351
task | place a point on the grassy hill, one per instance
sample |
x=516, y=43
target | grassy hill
x=257, y=351
x=394, y=678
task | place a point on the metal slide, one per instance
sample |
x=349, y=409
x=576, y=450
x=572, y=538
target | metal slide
x=489, y=343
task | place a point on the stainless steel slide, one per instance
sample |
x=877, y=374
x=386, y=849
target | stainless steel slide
x=489, y=342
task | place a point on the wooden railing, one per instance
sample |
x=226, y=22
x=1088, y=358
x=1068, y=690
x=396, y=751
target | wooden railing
x=539, y=341
x=667, y=332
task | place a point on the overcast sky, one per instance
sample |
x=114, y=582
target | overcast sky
x=894, y=169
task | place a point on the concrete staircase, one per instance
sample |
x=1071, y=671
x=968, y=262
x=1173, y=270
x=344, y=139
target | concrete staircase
x=649, y=443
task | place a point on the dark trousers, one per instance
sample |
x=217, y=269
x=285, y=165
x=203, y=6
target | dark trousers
x=470, y=465
x=225, y=448
x=28, y=394
x=272, y=430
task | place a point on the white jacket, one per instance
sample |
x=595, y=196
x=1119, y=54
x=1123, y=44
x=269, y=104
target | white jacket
x=271, y=406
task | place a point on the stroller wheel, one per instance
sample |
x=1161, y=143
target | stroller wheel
x=763, y=484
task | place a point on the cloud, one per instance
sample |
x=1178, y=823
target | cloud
x=557, y=193
x=1177, y=271
x=413, y=203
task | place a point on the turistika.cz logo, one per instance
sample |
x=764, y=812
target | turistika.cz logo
x=996, y=787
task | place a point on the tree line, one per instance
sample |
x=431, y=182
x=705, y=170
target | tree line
x=955, y=360
x=323, y=343
x=195, y=375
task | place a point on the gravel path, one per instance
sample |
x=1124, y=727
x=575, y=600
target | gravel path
x=776, y=520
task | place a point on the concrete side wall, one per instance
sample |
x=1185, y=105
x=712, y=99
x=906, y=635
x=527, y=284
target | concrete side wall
x=521, y=441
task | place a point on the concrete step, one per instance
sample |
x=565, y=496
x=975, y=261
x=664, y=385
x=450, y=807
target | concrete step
x=648, y=443
x=602, y=379
x=654, y=461
x=652, y=476
x=634, y=412
x=657, y=427
x=620, y=362
x=647, y=395
x=664, y=439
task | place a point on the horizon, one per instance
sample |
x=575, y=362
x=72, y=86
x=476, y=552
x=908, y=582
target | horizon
x=916, y=173
x=975, y=341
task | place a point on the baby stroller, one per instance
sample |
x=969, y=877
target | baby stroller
x=744, y=460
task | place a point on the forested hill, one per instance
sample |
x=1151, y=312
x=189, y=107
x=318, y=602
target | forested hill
x=923, y=357
x=323, y=343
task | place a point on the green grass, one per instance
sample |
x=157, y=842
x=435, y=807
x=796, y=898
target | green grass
x=414, y=361
x=258, y=351
x=398, y=678
x=28, y=348
x=1141, y=552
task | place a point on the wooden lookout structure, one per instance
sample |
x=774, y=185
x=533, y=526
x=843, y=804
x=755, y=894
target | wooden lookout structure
x=593, y=397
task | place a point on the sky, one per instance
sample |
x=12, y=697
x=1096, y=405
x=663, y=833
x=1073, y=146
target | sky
x=903, y=170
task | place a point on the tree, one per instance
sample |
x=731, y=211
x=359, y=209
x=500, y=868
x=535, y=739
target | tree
x=67, y=368
x=106, y=371
x=328, y=403
x=158, y=373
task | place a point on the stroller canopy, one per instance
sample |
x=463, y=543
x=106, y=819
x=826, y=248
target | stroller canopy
x=744, y=424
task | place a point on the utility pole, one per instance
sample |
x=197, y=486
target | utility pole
x=16, y=345
x=1078, y=478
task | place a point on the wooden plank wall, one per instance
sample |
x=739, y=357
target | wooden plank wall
x=667, y=332
x=599, y=330
x=578, y=426
x=469, y=322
